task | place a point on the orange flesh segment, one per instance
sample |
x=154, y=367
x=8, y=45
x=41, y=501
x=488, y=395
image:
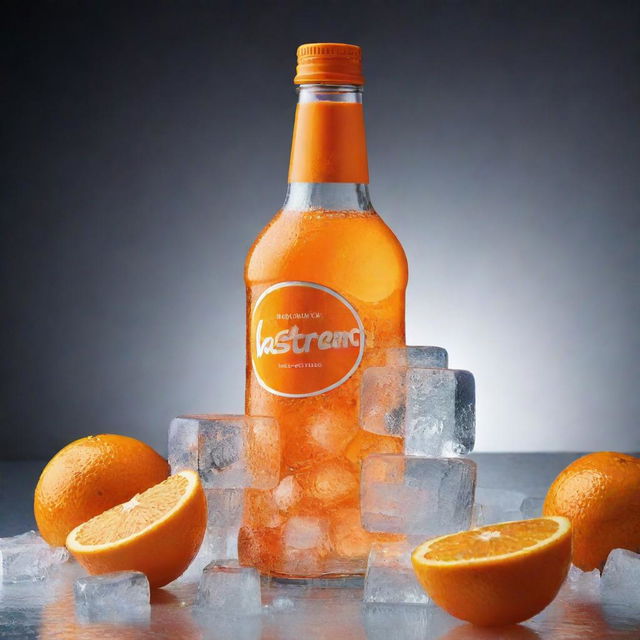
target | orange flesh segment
x=131, y=517
x=492, y=540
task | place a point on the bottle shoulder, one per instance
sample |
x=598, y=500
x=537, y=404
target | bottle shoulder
x=328, y=247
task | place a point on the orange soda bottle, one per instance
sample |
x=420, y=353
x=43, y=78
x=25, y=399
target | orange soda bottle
x=326, y=284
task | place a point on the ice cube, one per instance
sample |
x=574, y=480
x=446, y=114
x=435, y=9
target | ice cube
x=582, y=586
x=382, y=400
x=417, y=357
x=440, y=412
x=229, y=452
x=390, y=577
x=118, y=596
x=287, y=494
x=497, y=505
x=305, y=545
x=222, y=543
x=261, y=509
x=621, y=581
x=305, y=532
x=183, y=444
x=28, y=557
x=434, y=409
x=417, y=496
x=348, y=539
x=224, y=507
x=232, y=590
x=531, y=507
x=329, y=432
x=329, y=483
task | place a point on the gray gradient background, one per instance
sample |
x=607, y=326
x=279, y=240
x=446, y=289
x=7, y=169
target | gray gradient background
x=146, y=144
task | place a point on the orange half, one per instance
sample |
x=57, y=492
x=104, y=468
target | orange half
x=498, y=574
x=157, y=532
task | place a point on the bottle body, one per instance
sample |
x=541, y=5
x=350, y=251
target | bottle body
x=325, y=285
x=309, y=526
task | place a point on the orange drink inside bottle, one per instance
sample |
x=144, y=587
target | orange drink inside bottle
x=326, y=284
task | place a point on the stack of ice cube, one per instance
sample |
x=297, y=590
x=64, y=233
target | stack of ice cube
x=28, y=557
x=428, y=491
x=231, y=453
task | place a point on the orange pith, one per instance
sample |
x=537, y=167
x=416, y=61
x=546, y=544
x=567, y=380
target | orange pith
x=498, y=574
x=600, y=494
x=157, y=532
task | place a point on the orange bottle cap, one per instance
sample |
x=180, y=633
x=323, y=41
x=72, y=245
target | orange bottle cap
x=329, y=63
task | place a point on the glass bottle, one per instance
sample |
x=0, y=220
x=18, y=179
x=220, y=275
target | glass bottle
x=325, y=284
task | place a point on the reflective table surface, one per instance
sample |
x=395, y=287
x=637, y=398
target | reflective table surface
x=324, y=610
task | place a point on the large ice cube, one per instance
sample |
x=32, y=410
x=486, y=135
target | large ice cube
x=621, y=581
x=230, y=589
x=417, y=357
x=497, y=505
x=28, y=557
x=440, y=412
x=417, y=496
x=118, y=595
x=229, y=452
x=434, y=409
x=390, y=577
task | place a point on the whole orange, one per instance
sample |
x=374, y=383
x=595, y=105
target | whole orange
x=89, y=476
x=600, y=494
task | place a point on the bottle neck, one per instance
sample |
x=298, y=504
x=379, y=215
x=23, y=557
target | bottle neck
x=332, y=196
x=328, y=167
